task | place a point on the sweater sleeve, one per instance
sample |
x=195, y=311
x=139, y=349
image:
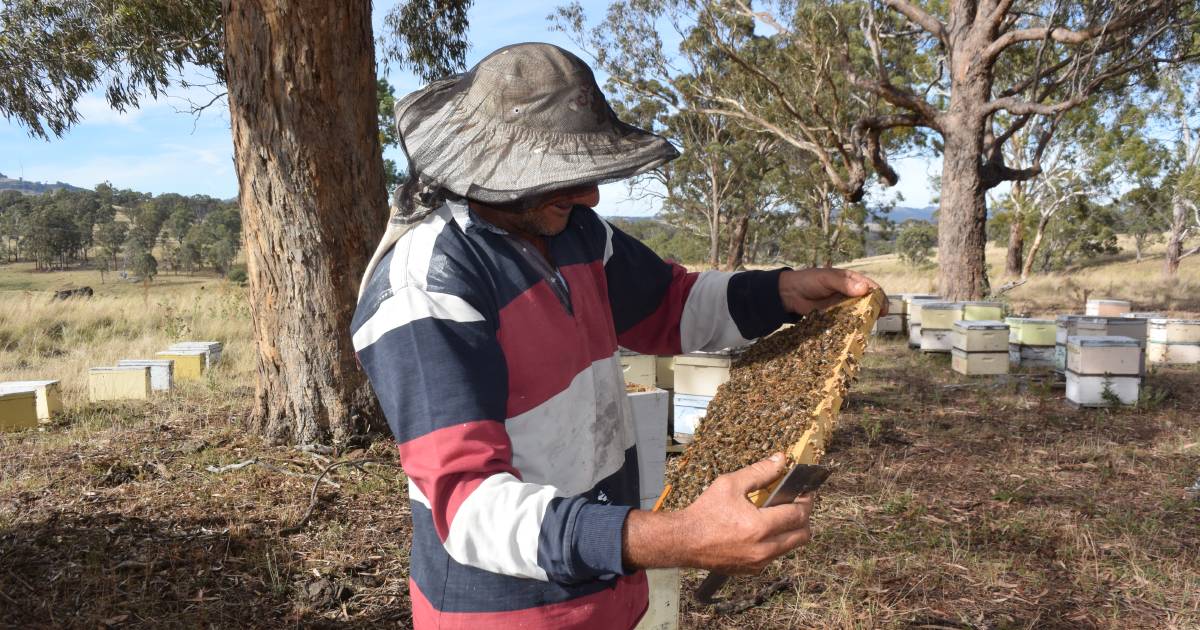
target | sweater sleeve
x=439, y=373
x=661, y=308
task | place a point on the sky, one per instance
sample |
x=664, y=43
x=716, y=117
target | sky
x=162, y=148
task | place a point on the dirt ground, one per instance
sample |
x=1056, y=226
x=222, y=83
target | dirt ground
x=956, y=503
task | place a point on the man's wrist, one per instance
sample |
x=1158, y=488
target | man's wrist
x=656, y=540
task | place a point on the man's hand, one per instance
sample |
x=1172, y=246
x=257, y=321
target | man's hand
x=722, y=530
x=813, y=289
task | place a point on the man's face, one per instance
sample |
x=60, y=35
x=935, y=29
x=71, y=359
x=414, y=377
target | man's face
x=550, y=214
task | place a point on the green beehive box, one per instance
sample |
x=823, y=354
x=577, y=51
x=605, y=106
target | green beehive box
x=982, y=311
x=18, y=411
x=1031, y=332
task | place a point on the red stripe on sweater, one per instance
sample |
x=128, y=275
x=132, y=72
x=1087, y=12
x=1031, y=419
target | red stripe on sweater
x=617, y=608
x=450, y=463
x=659, y=333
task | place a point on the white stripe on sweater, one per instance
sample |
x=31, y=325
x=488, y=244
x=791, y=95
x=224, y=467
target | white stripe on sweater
x=498, y=526
x=706, y=324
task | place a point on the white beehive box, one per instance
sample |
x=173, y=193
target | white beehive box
x=18, y=410
x=1160, y=353
x=978, y=363
x=662, y=613
x=1089, y=391
x=909, y=298
x=896, y=305
x=700, y=374
x=936, y=340
x=1132, y=327
x=1101, y=356
x=118, y=383
x=889, y=325
x=983, y=311
x=1107, y=308
x=212, y=350
x=650, y=428
x=689, y=413
x=1166, y=330
x=664, y=372
x=940, y=315
x=47, y=392
x=1037, y=357
x=914, y=335
x=161, y=371
x=1071, y=325
x=981, y=336
x=638, y=369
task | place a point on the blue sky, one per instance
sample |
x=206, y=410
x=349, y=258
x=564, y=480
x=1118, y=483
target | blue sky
x=160, y=148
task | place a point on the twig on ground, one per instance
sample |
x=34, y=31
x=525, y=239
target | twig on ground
x=738, y=605
x=228, y=467
x=312, y=499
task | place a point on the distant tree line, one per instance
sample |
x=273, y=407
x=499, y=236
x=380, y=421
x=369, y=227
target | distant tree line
x=120, y=230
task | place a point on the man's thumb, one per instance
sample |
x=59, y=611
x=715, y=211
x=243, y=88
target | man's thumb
x=760, y=474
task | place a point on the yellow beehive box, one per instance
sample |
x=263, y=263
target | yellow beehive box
x=119, y=383
x=982, y=311
x=940, y=315
x=638, y=369
x=979, y=363
x=49, y=397
x=18, y=411
x=189, y=364
x=1031, y=332
x=1165, y=330
x=700, y=374
x=1163, y=353
x=664, y=372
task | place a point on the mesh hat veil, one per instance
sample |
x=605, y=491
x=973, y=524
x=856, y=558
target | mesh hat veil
x=526, y=120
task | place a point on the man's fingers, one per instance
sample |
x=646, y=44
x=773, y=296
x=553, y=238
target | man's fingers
x=758, y=475
x=784, y=518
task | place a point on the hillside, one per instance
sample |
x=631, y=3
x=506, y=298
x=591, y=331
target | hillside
x=33, y=188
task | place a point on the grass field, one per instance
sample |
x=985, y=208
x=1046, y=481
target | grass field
x=956, y=503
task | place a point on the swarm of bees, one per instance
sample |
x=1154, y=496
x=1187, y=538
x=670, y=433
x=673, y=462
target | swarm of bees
x=774, y=388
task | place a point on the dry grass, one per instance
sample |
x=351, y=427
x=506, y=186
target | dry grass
x=956, y=503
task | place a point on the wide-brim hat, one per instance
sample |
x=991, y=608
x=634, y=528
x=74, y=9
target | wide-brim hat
x=526, y=120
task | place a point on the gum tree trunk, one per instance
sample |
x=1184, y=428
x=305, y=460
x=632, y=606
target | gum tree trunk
x=311, y=187
x=1179, y=219
x=962, y=215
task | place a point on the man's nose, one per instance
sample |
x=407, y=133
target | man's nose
x=585, y=196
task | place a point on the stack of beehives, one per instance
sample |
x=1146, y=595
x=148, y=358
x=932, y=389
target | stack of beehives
x=1031, y=342
x=937, y=325
x=697, y=377
x=896, y=321
x=913, y=303
x=979, y=348
x=1103, y=371
x=1067, y=326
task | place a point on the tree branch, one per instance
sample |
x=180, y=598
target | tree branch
x=1068, y=36
x=918, y=16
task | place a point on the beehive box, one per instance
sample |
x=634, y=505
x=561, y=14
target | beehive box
x=1143, y=315
x=913, y=314
x=1036, y=357
x=662, y=611
x=940, y=315
x=1181, y=353
x=978, y=363
x=689, y=410
x=212, y=351
x=1107, y=308
x=1072, y=325
x=896, y=305
x=1027, y=331
x=889, y=325
x=47, y=392
x=18, y=410
x=161, y=371
x=982, y=311
x=1089, y=391
x=936, y=340
x=783, y=395
x=638, y=369
x=909, y=298
x=664, y=372
x=119, y=383
x=701, y=373
x=650, y=428
x=980, y=336
x=1103, y=356
x=1165, y=330
x=188, y=364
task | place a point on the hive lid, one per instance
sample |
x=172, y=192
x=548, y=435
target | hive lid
x=942, y=306
x=630, y=353
x=1174, y=343
x=137, y=362
x=18, y=394
x=185, y=352
x=118, y=368
x=1024, y=321
x=24, y=385
x=1142, y=315
x=1108, y=301
x=983, y=303
x=1107, y=341
x=1163, y=321
x=908, y=297
x=984, y=324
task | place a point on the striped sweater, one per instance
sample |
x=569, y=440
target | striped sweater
x=502, y=385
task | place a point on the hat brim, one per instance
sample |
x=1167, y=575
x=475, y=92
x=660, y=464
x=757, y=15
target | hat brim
x=496, y=162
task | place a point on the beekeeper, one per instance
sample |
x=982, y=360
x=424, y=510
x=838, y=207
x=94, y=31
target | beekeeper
x=489, y=323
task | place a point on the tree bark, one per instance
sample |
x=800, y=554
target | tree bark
x=962, y=214
x=1016, y=233
x=1179, y=220
x=301, y=80
x=737, y=244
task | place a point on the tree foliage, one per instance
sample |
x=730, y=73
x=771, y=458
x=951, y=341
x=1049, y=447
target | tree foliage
x=915, y=242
